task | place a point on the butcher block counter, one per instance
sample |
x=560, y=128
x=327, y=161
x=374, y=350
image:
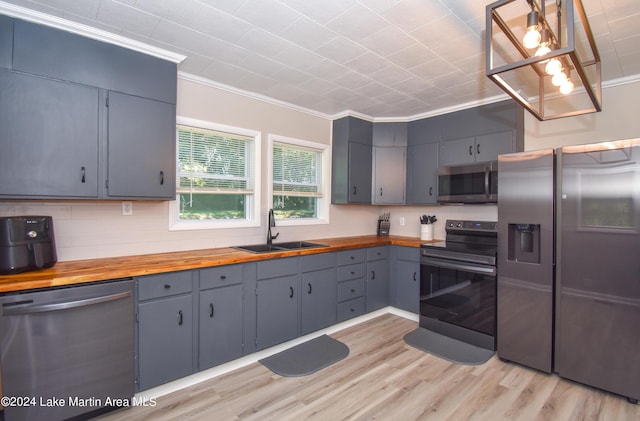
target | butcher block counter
x=93, y=270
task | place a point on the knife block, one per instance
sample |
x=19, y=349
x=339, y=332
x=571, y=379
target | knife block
x=383, y=227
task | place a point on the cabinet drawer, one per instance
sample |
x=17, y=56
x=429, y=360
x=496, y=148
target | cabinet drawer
x=408, y=253
x=317, y=262
x=350, y=309
x=350, y=272
x=377, y=253
x=348, y=257
x=164, y=285
x=220, y=276
x=350, y=289
x=277, y=267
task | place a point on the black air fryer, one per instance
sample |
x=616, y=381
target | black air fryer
x=26, y=243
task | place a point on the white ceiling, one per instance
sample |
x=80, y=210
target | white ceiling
x=379, y=59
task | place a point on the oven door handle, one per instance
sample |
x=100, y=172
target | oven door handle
x=468, y=267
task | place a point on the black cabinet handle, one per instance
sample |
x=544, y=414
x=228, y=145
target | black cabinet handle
x=83, y=177
x=415, y=276
x=167, y=286
x=352, y=310
x=430, y=191
x=211, y=310
x=161, y=178
x=373, y=274
x=353, y=273
x=380, y=191
x=223, y=277
x=180, y=318
x=310, y=289
x=470, y=149
x=478, y=148
x=353, y=290
x=354, y=190
x=290, y=292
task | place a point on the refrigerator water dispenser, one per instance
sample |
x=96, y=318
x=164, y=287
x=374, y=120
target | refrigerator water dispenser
x=524, y=243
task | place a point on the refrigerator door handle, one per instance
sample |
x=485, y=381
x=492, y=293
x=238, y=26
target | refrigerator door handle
x=487, y=175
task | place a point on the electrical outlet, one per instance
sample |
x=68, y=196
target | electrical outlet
x=402, y=221
x=127, y=208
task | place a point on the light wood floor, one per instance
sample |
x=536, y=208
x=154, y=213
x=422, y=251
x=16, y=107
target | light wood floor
x=383, y=378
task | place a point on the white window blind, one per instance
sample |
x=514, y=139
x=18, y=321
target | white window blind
x=213, y=163
x=296, y=171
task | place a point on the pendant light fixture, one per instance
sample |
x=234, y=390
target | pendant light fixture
x=533, y=50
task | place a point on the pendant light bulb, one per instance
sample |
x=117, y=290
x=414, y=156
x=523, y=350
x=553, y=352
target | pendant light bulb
x=543, y=49
x=566, y=87
x=553, y=66
x=558, y=79
x=532, y=38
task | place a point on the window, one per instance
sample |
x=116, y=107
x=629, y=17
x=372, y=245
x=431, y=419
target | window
x=298, y=188
x=217, y=176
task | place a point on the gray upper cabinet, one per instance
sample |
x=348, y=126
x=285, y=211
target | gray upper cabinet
x=480, y=148
x=389, y=163
x=389, y=176
x=422, y=174
x=48, y=137
x=389, y=134
x=480, y=134
x=351, y=161
x=6, y=41
x=423, y=140
x=141, y=148
x=74, y=108
x=57, y=54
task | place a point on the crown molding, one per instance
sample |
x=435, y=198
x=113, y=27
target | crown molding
x=87, y=31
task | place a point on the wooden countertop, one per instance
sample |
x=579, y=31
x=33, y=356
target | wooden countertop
x=92, y=270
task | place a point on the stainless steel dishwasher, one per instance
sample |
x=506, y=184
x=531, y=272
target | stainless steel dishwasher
x=67, y=351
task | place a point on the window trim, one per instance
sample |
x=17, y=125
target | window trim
x=324, y=201
x=254, y=206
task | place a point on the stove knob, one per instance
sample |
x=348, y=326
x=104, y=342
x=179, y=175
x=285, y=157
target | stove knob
x=459, y=225
x=450, y=224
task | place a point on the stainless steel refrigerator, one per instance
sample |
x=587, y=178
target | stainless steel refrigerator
x=569, y=263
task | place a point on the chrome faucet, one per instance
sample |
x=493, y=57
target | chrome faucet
x=270, y=224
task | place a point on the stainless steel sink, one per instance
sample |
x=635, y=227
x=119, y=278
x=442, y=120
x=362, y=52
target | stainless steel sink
x=292, y=245
x=275, y=247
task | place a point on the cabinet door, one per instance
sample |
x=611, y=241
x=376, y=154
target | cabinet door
x=377, y=284
x=359, y=173
x=422, y=174
x=459, y=151
x=408, y=285
x=277, y=310
x=389, y=175
x=489, y=146
x=220, y=325
x=141, y=148
x=318, y=297
x=165, y=340
x=48, y=136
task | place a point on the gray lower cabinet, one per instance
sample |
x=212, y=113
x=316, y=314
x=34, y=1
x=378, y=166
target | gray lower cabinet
x=48, y=137
x=407, y=279
x=317, y=292
x=377, y=278
x=351, y=284
x=277, y=295
x=220, y=315
x=165, y=328
x=6, y=41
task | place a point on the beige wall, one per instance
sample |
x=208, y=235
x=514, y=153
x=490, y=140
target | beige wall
x=93, y=229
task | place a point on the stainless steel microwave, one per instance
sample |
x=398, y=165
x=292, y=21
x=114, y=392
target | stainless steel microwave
x=468, y=183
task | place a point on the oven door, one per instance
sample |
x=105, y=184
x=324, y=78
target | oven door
x=461, y=294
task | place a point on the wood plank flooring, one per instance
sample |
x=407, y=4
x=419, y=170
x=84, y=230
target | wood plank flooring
x=383, y=378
